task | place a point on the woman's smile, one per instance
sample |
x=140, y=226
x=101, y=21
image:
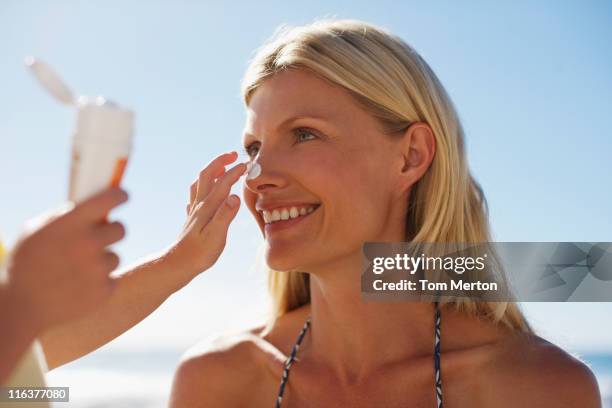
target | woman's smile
x=287, y=218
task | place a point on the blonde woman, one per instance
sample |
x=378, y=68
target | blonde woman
x=351, y=127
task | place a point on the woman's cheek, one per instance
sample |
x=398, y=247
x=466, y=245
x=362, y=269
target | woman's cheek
x=249, y=200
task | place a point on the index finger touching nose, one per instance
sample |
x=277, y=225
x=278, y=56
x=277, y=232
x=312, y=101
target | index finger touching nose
x=216, y=167
x=214, y=170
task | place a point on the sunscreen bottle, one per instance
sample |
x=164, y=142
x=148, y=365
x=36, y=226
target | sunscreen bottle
x=102, y=139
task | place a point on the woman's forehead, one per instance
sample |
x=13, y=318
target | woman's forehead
x=275, y=104
x=298, y=92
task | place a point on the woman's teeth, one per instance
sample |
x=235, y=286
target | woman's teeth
x=281, y=214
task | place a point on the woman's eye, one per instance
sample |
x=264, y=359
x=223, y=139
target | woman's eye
x=249, y=150
x=303, y=132
x=300, y=134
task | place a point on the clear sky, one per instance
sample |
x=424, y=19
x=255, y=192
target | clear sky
x=531, y=81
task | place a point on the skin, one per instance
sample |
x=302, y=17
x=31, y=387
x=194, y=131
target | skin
x=358, y=354
x=76, y=306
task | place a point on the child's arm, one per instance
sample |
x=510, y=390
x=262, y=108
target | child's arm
x=17, y=334
x=138, y=292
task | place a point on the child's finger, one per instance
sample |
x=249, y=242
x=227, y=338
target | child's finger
x=219, y=193
x=215, y=169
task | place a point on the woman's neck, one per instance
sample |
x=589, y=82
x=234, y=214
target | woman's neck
x=355, y=337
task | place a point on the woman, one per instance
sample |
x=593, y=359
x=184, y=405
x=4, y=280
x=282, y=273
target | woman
x=352, y=128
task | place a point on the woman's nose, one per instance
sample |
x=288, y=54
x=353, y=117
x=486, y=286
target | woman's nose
x=262, y=175
x=254, y=180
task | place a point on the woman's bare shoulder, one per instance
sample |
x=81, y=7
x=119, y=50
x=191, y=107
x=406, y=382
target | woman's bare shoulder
x=527, y=370
x=211, y=372
x=233, y=368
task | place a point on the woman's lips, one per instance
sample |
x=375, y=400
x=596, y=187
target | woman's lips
x=281, y=225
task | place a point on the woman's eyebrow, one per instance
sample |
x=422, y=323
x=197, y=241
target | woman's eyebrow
x=287, y=122
x=295, y=118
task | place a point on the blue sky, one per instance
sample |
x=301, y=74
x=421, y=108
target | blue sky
x=531, y=83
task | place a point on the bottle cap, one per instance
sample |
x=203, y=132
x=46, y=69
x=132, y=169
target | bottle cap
x=50, y=81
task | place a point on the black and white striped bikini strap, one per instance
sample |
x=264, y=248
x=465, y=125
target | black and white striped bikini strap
x=437, y=370
x=289, y=362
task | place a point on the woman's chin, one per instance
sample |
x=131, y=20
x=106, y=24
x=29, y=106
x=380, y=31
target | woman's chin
x=282, y=260
x=281, y=264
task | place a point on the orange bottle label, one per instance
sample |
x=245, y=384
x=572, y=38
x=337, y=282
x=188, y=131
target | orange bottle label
x=118, y=172
x=117, y=175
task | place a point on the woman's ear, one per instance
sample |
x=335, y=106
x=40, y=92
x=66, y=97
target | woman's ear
x=418, y=147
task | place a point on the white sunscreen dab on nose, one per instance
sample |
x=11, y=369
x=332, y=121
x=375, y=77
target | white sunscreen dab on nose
x=253, y=170
x=102, y=140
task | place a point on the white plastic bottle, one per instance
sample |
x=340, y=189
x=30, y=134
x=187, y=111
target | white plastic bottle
x=102, y=139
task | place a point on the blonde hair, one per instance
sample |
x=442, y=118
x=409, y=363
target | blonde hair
x=392, y=82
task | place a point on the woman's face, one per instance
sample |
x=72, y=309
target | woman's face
x=317, y=146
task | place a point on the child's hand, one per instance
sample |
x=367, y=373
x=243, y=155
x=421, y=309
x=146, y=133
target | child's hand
x=59, y=270
x=209, y=213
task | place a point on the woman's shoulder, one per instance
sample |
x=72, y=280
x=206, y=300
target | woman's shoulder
x=526, y=370
x=251, y=361
x=211, y=372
